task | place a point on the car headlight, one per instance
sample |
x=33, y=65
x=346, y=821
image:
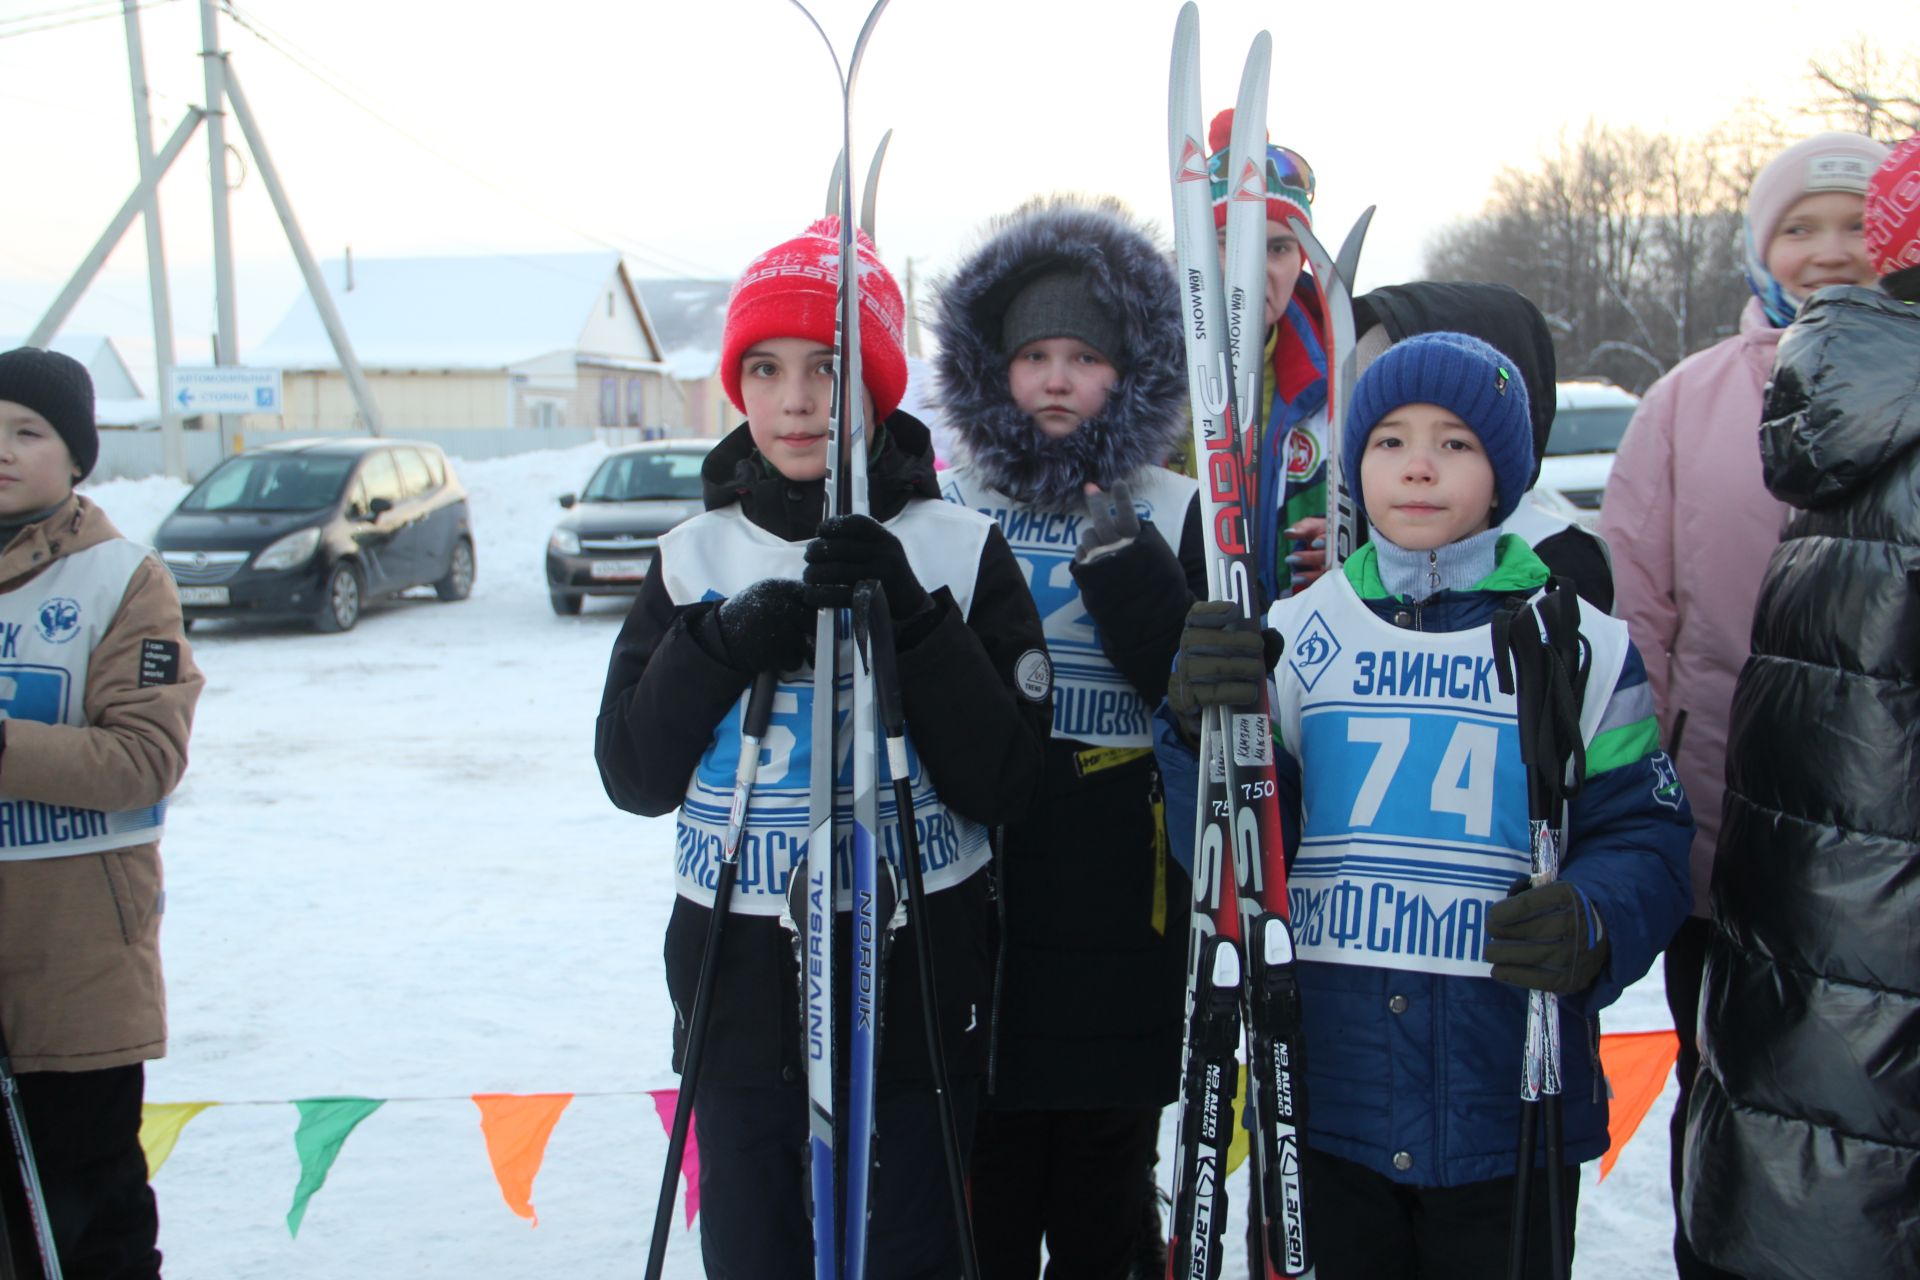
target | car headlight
x=565, y=542
x=289, y=552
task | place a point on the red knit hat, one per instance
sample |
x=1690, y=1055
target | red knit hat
x=1289, y=178
x=1892, y=215
x=789, y=292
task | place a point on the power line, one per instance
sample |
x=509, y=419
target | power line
x=312, y=66
x=114, y=12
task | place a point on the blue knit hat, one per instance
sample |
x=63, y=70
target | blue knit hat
x=1468, y=379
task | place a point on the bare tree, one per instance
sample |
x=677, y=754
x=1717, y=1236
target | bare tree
x=1628, y=242
x=1861, y=89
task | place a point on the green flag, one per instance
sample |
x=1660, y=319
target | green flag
x=324, y=1126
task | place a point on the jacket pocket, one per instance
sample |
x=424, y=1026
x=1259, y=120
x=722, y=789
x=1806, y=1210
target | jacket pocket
x=133, y=886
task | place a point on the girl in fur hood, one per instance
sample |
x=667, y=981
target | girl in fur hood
x=1061, y=375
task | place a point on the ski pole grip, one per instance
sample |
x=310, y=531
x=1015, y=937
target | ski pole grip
x=760, y=704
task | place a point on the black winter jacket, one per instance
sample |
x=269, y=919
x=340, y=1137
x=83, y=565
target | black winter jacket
x=669, y=684
x=1095, y=911
x=1803, y=1138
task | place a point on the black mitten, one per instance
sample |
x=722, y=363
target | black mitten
x=1548, y=938
x=855, y=549
x=768, y=625
x=1223, y=660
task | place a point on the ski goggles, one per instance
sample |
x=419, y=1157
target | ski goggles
x=1288, y=175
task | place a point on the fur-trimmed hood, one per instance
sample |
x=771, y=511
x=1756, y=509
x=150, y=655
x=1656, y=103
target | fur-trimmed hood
x=1132, y=277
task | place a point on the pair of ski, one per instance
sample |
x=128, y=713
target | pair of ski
x=1240, y=957
x=855, y=644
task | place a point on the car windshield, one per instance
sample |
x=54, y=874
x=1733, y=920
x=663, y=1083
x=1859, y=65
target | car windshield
x=1589, y=430
x=272, y=482
x=634, y=477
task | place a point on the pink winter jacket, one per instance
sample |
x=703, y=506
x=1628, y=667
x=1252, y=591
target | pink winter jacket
x=1691, y=526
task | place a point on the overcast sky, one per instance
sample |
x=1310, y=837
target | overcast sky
x=691, y=133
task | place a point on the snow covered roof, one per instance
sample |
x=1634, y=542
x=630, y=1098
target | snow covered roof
x=112, y=377
x=689, y=316
x=488, y=313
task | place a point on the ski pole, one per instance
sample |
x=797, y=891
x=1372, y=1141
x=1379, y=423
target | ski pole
x=873, y=631
x=29, y=1172
x=759, y=711
x=1545, y=674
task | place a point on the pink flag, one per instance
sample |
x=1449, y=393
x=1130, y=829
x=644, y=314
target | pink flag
x=664, y=1101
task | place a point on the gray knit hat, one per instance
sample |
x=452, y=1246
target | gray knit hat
x=58, y=389
x=1060, y=305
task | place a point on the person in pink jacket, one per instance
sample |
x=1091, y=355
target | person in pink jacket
x=1691, y=525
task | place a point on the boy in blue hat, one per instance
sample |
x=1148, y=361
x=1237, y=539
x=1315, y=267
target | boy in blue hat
x=1417, y=932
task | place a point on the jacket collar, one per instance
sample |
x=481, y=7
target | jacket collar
x=900, y=470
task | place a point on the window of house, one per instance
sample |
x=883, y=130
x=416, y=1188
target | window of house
x=636, y=402
x=609, y=402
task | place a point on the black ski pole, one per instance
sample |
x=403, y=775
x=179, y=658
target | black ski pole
x=29, y=1173
x=759, y=710
x=872, y=621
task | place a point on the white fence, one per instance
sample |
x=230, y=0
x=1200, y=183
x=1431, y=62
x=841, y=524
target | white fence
x=129, y=455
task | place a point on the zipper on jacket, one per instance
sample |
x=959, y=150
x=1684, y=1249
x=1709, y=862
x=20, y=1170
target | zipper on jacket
x=996, y=843
x=1433, y=571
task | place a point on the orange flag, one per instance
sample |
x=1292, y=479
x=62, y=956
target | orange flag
x=1638, y=1064
x=517, y=1127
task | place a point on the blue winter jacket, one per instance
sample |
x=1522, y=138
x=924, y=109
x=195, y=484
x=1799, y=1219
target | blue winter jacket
x=1417, y=1076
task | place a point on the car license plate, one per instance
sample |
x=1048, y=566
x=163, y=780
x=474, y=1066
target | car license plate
x=203, y=595
x=603, y=569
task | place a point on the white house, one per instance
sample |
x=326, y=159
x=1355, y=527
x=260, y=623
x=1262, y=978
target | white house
x=512, y=340
x=690, y=317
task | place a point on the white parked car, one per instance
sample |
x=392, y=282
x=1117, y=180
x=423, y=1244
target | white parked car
x=1588, y=420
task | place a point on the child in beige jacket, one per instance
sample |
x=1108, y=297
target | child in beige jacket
x=97, y=690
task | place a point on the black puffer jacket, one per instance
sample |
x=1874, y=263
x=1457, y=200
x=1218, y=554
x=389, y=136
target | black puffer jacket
x=1803, y=1139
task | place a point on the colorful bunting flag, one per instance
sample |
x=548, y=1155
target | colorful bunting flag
x=516, y=1127
x=664, y=1101
x=160, y=1126
x=1637, y=1065
x=324, y=1126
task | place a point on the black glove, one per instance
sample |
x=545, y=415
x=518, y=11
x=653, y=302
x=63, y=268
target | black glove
x=1111, y=524
x=854, y=549
x=1549, y=938
x=1224, y=658
x=767, y=626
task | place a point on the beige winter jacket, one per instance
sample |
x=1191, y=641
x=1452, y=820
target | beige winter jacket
x=80, y=983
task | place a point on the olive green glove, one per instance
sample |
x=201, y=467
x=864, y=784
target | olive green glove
x=1223, y=660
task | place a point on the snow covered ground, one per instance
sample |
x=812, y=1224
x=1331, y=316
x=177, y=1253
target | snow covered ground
x=392, y=873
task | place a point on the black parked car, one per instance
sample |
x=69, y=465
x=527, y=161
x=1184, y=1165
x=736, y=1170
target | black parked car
x=604, y=545
x=316, y=528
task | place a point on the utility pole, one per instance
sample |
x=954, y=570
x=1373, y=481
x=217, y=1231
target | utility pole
x=172, y=451
x=226, y=342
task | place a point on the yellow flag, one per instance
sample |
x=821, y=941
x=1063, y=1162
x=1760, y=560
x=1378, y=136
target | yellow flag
x=160, y=1126
x=1237, y=1146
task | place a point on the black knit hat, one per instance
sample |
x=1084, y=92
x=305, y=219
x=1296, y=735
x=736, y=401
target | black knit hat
x=1060, y=304
x=58, y=389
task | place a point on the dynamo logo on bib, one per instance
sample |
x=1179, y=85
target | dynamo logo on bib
x=1314, y=649
x=59, y=620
